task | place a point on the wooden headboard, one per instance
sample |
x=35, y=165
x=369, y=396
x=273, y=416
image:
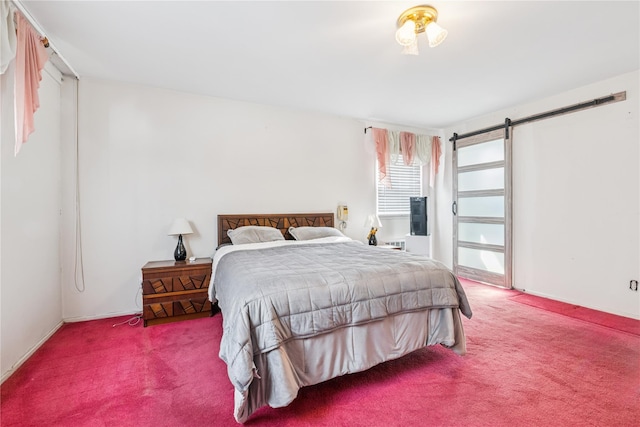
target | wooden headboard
x=279, y=221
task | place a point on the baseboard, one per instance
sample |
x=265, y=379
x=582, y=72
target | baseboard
x=98, y=317
x=602, y=309
x=30, y=352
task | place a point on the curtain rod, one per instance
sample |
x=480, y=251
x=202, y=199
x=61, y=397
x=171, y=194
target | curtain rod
x=371, y=127
x=42, y=33
x=620, y=96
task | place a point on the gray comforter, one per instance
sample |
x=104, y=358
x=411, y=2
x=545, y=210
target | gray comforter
x=273, y=295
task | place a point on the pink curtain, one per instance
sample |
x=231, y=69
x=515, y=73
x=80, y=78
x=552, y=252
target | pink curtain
x=408, y=147
x=381, y=140
x=30, y=59
x=435, y=158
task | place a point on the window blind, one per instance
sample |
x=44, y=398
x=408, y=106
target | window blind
x=406, y=182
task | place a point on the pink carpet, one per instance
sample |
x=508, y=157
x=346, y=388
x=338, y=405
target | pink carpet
x=524, y=367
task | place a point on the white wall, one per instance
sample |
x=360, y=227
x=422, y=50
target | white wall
x=576, y=191
x=149, y=155
x=30, y=215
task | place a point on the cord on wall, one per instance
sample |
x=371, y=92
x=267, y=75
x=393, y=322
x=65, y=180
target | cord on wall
x=79, y=264
x=137, y=301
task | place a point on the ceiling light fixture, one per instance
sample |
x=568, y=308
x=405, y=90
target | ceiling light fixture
x=416, y=20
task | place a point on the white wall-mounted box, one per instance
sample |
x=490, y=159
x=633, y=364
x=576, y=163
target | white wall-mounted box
x=418, y=244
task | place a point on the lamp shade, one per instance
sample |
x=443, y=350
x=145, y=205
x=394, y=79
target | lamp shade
x=406, y=35
x=180, y=226
x=411, y=49
x=436, y=34
x=373, y=221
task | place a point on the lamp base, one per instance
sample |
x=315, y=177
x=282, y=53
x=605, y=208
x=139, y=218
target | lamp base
x=180, y=254
x=373, y=241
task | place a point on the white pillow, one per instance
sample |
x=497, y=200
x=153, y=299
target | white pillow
x=310, y=233
x=254, y=234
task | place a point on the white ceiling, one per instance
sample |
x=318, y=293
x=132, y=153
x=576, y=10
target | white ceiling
x=340, y=57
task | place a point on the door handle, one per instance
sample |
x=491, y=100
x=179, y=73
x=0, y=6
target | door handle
x=454, y=208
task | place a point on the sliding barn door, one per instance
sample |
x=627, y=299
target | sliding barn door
x=482, y=208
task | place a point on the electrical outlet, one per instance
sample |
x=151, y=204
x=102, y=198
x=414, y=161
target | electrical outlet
x=633, y=285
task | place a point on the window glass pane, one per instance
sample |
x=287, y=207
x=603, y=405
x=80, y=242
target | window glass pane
x=492, y=151
x=406, y=182
x=487, y=179
x=482, y=260
x=492, y=234
x=492, y=206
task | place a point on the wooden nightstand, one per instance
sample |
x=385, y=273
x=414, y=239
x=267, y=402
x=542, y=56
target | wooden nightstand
x=175, y=290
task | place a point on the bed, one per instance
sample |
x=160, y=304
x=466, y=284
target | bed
x=299, y=312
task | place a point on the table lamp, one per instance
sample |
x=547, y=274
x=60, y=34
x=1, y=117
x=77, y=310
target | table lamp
x=179, y=227
x=373, y=221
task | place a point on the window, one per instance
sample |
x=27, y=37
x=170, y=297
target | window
x=406, y=182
